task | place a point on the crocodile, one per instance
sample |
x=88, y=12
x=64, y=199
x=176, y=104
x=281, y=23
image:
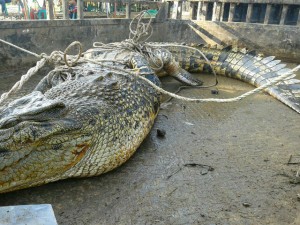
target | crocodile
x=87, y=120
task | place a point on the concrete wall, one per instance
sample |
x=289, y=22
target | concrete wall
x=46, y=36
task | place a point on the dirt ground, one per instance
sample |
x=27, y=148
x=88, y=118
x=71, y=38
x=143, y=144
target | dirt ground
x=223, y=164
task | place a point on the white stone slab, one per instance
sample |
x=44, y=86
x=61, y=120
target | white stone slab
x=27, y=214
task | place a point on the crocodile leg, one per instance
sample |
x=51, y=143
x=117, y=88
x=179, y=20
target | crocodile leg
x=172, y=68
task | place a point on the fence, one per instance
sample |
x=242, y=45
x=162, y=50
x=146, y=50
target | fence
x=265, y=12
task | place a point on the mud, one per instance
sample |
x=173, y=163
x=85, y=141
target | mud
x=217, y=163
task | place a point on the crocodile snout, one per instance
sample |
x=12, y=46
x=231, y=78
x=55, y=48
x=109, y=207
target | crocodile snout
x=34, y=107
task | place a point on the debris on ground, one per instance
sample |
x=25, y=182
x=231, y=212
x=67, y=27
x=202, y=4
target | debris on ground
x=214, y=92
x=160, y=133
x=246, y=204
x=294, y=159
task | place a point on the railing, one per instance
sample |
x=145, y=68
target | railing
x=282, y=12
x=265, y=12
x=80, y=7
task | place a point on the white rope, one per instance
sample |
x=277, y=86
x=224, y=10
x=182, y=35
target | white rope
x=59, y=55
x=55, y=57
x=141, y=34
x=198, y=100
x=23, y=79
x=22, y=49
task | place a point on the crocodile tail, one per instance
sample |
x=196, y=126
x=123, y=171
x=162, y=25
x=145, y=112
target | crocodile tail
x=256, y=70
x=249, y=67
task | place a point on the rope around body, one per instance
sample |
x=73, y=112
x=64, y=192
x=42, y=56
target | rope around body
x=134, y=43
x=42, y=62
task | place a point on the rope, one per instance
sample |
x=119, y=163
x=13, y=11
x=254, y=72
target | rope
x=55, y=57
x=22, y=49
x=227, y=100
x=23, y=79
x=136, y=37
x=78, y=56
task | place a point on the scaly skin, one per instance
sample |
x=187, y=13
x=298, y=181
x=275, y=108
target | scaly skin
x=171, y=66
x=83, y=127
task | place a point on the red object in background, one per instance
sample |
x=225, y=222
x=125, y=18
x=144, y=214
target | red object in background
x=32, y=14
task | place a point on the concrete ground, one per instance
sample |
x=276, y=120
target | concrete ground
x=217, y=164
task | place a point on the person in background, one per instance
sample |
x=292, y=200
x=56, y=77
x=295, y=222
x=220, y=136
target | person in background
x=3, y=6
x=20, y=7
x=73, y=9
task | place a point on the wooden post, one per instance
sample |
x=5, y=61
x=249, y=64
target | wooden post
x=216, y=11
x=298, y=22
x=107, y=8
x=162, y=13
x=267, y=15
x=169, y=9
x=231, y=12
x=192, y=11
x=213, y=18
x=80, y=9
x=199, y=11
x=179, y=12
x=175, y=10
x=50, y=14
x=128, y=9
x=249, y=13
x=204, y=11
x=65, y=9
x=26, y=10
x=222, y=11
x=115, y=9
x=283, y=14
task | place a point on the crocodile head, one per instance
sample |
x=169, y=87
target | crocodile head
x=35, y=132
x=53, y=135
